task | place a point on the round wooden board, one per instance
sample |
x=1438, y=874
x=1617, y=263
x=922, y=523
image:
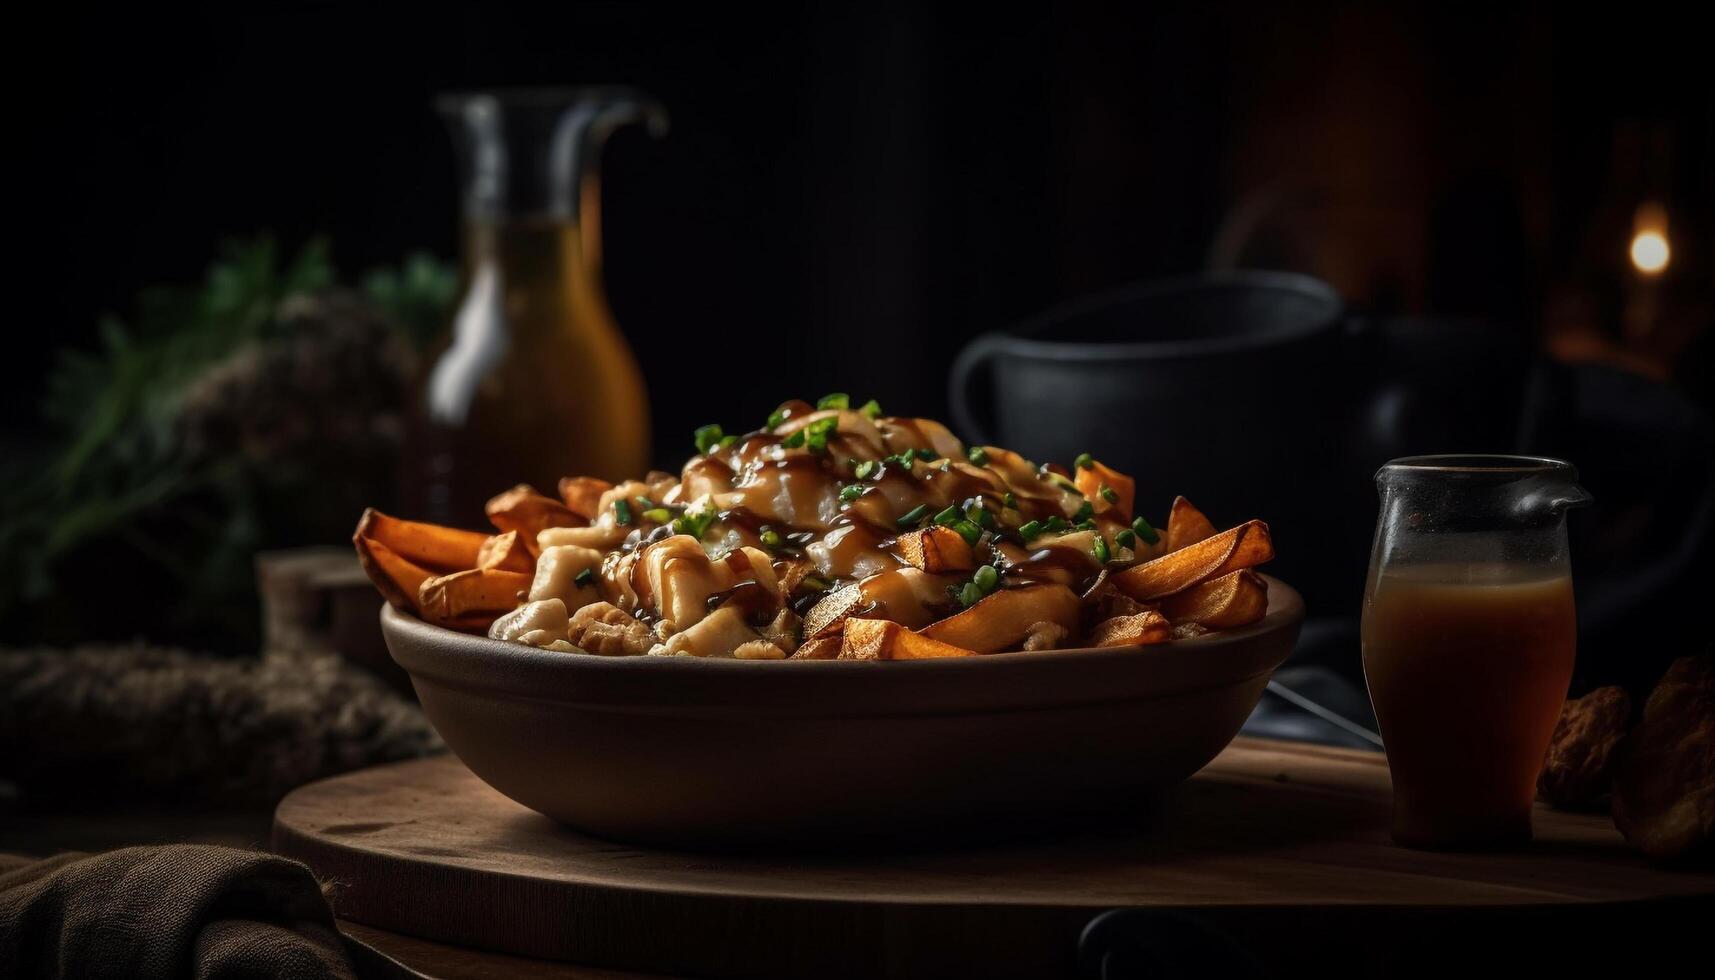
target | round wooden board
x=1271, y=840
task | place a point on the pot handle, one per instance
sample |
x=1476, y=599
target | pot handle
x=969, y=381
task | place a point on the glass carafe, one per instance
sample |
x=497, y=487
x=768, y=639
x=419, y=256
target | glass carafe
x=1469, y=635
x=535, y=381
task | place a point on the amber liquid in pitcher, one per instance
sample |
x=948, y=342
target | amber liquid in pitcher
x=536, y=381
x=1467, y=667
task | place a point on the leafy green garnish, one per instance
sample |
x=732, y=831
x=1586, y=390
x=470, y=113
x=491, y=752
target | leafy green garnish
x=621, y=512
x=1100, y=548
x=694, y=523
x=707, y=437
x=838, y=399
x=872, y=409
x=1145, y=531
x=816, y=433
x=977, y=455
x=1084, y=461
x=913, y=517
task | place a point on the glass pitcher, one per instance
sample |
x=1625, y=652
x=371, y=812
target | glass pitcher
x=535, y=381
x=1469, y=634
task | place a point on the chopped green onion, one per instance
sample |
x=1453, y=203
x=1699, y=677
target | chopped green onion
x=948, y=516
x=970, y=595
x=978, y=455
x=1055, y=524
x=707, y=437
x=1084, y=461
x=852, y=492
x=643, y=503
x=621, y=512
x=1030, y=529
x=727, y=441
x=1100, y=548
x=1109, y=494
x=770, y=538
x=970, y=532
x=838, y=399
x=1127, y=538
x=584, y=577
x=814, y=583
x=927, y=455
x=694, y=524
x=1144, y=531
x=980, y=514
x=659, y=515
x=817, y=432
x=872, y=409
x=776, y=417
x=1086, y=510
x=794, y=440
x=867, y=469
x=986, y=578
x=913, y=517
x=1011, y=501
x=1084, y=526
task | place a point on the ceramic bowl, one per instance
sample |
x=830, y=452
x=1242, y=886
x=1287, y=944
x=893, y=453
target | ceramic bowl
x=697, y=753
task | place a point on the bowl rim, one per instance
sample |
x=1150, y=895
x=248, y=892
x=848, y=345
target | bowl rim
x=472, y=662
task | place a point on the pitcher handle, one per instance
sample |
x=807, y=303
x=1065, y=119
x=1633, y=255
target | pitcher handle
x=975, y=425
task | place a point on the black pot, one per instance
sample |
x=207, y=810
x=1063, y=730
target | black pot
x=1233, y=389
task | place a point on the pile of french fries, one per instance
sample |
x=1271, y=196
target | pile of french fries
x=830, y=533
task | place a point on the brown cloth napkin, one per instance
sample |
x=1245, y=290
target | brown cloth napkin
x=183, y=910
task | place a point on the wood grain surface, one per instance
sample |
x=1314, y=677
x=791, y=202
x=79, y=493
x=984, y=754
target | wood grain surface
x=1270, y=841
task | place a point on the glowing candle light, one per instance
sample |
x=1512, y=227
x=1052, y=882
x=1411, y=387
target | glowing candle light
x=1650, y=250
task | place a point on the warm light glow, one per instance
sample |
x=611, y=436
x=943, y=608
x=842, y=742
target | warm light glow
x=1650, y=252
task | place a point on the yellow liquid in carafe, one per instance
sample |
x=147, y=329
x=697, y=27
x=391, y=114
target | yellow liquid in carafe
x=536, y=381
x=1467, y=667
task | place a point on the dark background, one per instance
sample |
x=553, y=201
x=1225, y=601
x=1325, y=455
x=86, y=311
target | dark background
x=879, y=183
x=850, y=193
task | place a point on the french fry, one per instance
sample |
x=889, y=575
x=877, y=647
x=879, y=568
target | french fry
x=1235, y=599
x=427, y=545
x=883, y=639
x=470, y=594
x=505, y=552
x=825, y=648
x=1090, y=481
x=828, y=617
x=1002, y=619
x=1186, y=525
x=1137, y=629
x=396, y=578
x=1244, y=546
x=524, y=510
x=582, y=495
x=935, y=549
x=901, y=596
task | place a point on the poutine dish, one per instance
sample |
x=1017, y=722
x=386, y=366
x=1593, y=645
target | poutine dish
x=831, y=532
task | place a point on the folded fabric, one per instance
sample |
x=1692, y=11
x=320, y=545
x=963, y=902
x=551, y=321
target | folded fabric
x=183, y=910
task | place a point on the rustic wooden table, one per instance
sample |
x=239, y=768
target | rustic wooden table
x=1276, y=853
